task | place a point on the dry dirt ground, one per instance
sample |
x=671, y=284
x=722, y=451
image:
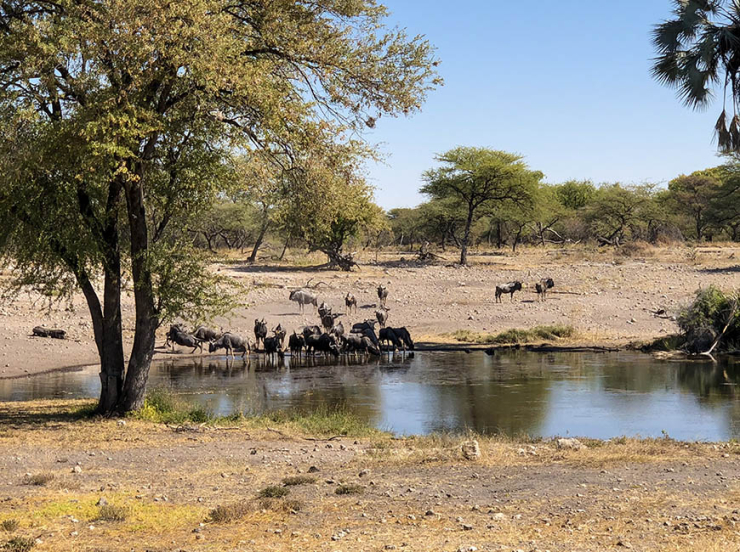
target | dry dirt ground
x=607, y=296
x=412, y=494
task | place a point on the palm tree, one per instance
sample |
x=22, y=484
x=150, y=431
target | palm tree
x=699, y=50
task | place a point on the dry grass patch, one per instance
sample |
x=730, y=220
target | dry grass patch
x=230, y=512
x=39, y=479
x=9, y=525
x=19, y=544
x=299, y=480
x=110, y=512
x=273, y=491
x=287, y=506
x=349, y=489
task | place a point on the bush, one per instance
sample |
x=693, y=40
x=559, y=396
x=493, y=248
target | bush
x=706, y=318
x=514, y=336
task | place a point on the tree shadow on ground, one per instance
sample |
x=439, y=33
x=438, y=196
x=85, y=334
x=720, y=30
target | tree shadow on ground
x=727, y=269
x=44, y=415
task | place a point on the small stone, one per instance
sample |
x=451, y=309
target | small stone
x=573, y=444
x=101, y=502
x=364, y=472
x=471, y=450
x=430, y=513
x=121, y=423
x=313, y=469
x=499, y=516
x=77, y=469
x=467, y=527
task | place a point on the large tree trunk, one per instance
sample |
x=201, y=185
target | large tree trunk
x=146, y=313
x=343, y=261
x=111, y=355
x=466, y=236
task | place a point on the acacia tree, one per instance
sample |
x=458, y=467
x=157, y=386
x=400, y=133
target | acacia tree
x=326, y=203
x=692, y=196
x=478, y=178
x=117, y=117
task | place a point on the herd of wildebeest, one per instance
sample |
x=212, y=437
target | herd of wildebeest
x=328, y=338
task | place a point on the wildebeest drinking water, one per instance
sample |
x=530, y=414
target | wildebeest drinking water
x=509, y=288
x=542, y=286
x=230, y=342
x=303, y=298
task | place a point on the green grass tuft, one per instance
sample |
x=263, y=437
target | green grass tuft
x=164, y=407
x=517, y=336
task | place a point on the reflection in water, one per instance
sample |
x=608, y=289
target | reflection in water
x=594, y=395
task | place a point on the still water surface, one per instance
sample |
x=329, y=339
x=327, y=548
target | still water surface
x=589, y=395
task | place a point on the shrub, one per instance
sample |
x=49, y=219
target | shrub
x=706, y=318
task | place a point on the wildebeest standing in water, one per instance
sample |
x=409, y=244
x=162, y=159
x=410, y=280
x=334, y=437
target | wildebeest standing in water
x=230, y=342
x=178, y=336
x=509, y=288
x=260, y=332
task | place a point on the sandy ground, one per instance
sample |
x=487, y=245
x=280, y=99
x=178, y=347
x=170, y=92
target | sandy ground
x=606, y=296
x=413, y=494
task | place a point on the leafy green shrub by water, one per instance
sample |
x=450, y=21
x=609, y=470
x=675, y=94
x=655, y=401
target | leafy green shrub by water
x=711, y=313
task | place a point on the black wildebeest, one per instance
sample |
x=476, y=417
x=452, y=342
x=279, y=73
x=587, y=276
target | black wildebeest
x=303, y=298
x=272, y=346
x=260, y=332
x=350, y=302
x=174, y=328
x=296, y=343
x=382, y=294
x=542, y=286
x=324, y=343
x=509, y=288
x=230, y=342
x=387, y=335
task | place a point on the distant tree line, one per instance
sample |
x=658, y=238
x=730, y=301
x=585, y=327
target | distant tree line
x=477, y=198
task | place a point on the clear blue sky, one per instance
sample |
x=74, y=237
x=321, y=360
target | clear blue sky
x=566, y=83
